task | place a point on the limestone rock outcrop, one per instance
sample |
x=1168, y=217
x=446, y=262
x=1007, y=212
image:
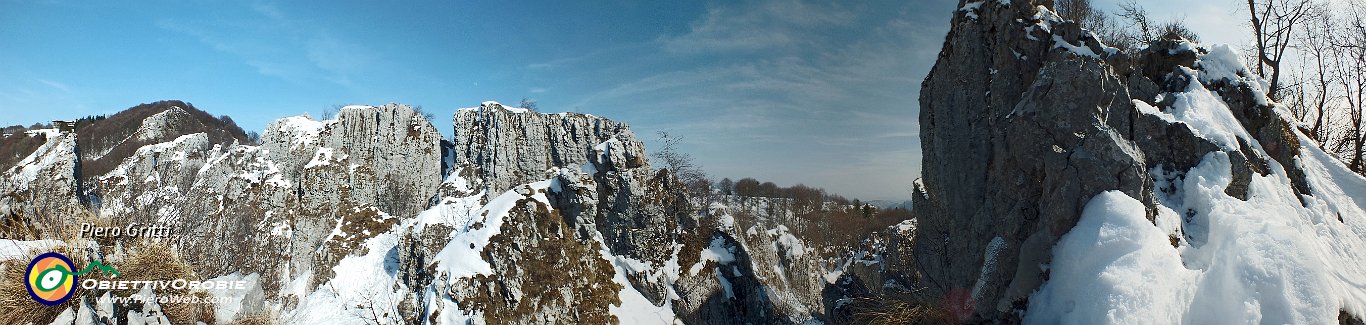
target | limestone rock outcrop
x=272, y=209
x=1026, y=116
x=513, y=146
x=42, y=191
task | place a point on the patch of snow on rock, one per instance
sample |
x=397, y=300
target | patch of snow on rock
x=717, y=252
x=321, y=158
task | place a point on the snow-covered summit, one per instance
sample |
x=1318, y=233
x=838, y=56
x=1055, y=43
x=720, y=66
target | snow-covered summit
x=493, y=105
x=515, y=146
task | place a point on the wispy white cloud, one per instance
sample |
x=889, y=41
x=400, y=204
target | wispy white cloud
x=340, y=59
x=54, y=84
x=757, y=26
x=278, y=45
x=813, y=88
x=248, y=49
x=270, y=11
x=855, y=79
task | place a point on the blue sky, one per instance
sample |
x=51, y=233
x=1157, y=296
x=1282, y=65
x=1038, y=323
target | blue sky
x=783, y=90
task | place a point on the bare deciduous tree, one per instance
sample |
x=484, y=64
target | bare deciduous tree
x=1328, y=91
x=1273, y=25
x=1094, y=20
x=1142, y=27
x=254, y=138
x=1351, y=45
x=1311, y=95
x=1129, y=28
x=425, y=114
x=681, y=164
x=530, y=104
x=330, y=111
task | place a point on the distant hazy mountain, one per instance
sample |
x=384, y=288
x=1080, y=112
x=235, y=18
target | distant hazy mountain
x=890, y=204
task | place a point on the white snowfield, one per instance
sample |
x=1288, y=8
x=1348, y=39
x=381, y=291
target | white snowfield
x=1267, y=260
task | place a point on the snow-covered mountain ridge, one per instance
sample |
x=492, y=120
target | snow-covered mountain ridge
x=373, y=217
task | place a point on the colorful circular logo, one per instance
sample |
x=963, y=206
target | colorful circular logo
x=51, y=280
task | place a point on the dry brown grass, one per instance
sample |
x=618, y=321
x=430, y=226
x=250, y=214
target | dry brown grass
x=188, y=313
x=152, y=260
x=256, y=319
x=18, y=306
x=900, y=310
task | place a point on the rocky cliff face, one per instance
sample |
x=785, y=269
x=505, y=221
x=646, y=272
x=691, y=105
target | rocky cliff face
x=605, y=203
x=512, y=146
x=743, y=263
x=1026, y=117
x=42, y=189
x=1016, y=133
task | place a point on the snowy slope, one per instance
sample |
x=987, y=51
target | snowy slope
x=1210, y=258
x=58, y=149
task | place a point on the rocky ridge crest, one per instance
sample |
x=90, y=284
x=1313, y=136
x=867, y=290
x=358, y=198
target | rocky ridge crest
x=559, y=203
